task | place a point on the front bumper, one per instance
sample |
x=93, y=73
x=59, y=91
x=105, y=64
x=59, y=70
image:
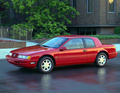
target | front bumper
x=21, y=62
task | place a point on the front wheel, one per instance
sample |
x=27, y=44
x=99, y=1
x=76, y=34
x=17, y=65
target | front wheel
x=45, y=65
x=101, y=60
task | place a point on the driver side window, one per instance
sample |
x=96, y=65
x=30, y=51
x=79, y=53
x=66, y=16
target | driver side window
x=74, y=44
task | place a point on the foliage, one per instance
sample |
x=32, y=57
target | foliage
x=106, y=36
x=117, y=30
x=4, y=13
x=47, y=16
x=21, y=29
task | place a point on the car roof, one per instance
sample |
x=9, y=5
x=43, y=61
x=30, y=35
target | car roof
x=75, y=36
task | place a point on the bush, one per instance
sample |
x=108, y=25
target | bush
x=117, y=30
x=106, y=36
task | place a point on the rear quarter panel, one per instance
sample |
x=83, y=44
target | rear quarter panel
x=110, y=49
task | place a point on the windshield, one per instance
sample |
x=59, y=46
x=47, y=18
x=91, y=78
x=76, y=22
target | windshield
x=55, y=42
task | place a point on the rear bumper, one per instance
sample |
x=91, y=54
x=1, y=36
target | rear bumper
x=21, y=62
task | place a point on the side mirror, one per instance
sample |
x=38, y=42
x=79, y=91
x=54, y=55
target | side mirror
x=63, y=48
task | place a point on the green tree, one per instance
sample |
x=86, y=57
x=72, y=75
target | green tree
x=49, y=17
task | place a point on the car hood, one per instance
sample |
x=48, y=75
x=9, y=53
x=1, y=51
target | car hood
x=31, y=49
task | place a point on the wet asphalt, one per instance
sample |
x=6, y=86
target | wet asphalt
x=69, y=79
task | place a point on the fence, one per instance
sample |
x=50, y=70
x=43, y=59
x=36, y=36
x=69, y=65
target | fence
x=8, y=32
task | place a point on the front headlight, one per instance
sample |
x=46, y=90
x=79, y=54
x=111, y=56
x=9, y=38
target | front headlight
x=10, y=54
x=24, y=57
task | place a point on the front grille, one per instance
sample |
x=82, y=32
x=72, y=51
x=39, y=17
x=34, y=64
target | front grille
x=14, y=55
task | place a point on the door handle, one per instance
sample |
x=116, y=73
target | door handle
x=84, y=50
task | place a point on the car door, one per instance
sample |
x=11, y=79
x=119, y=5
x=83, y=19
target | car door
x=74, y=54
x=91, y=49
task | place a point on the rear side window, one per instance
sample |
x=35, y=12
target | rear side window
x=89, y=42
x=74, y=44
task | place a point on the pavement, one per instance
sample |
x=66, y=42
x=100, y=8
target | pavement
x=5, y=51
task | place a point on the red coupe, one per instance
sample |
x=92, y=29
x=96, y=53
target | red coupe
x=61, y=51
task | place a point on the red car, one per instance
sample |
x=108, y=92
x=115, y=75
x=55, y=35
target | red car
x=61, y=51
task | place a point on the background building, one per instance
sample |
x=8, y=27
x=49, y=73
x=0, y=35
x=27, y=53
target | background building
x=96, y=17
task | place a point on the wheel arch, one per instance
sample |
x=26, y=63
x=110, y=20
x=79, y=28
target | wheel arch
x=104, y=52
x=47, y=56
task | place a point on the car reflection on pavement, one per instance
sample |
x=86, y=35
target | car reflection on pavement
x=32, y=81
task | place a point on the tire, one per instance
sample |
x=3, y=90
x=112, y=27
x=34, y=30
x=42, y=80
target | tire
x=45, y=64
x=101, y=59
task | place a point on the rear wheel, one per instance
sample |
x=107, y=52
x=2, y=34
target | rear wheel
x=45, y=65
x=101, y=59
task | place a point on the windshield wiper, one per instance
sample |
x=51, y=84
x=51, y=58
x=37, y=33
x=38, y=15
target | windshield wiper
x=38, y=45
x=44, y=46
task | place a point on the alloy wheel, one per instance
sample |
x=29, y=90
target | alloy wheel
x=102, y=60
x=46, y=65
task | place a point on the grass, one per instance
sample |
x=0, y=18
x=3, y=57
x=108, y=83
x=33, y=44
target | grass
x=106, y=36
